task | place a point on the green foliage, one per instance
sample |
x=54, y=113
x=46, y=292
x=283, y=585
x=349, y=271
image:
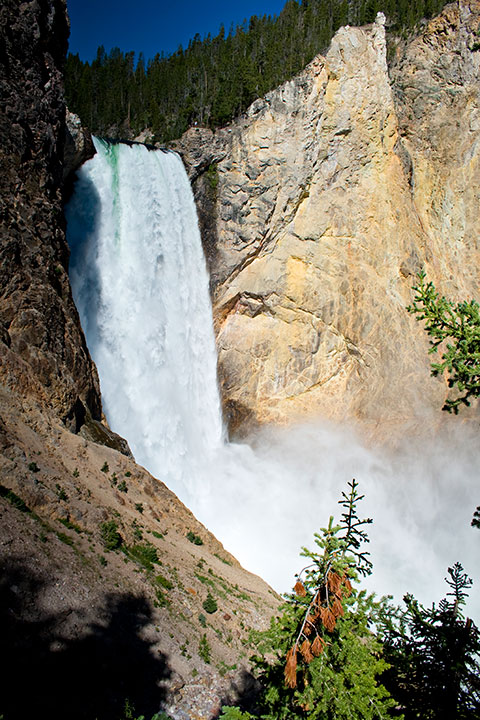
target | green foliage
x=434, y=655
x=60, y=492
x=111, y=538
x=204, y=649
x=64, y=538
x=457, y=324
x=137, y=531
x=13, y=499
x=202, y=620
x=164, y=582
x=335, y=653
x=212, y=176
x=195, y=539
x=210, y=604
x=215, y=79
x=161, y=599
x=71, y=525
x=234, y=713
x=122, y=486
x=158, y=535
x=33, y=467
x=320, y=659
x=76, y=473
x=139, y=507
x=144, y=553
x=460, y=324
x=104, y=467
x=223, y=668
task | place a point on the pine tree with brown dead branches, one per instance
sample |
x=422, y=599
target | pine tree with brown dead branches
x=320, y=659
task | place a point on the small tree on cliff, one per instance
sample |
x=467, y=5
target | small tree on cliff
x=457, y=324
x=319, y=659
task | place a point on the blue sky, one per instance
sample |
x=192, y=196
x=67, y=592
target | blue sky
x=149, y=26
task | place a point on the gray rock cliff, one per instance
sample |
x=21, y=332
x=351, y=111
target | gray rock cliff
x=43, y=354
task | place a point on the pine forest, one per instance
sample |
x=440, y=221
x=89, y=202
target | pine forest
x=216, y=78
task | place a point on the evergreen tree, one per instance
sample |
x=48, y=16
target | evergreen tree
x=434, y=655
x=320, y=659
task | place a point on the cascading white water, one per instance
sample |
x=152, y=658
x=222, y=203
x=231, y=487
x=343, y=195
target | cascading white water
x=141, y=287
x=140, y=283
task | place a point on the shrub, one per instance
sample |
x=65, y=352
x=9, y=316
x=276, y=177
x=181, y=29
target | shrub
x=210, y=604
x=71, y=526
x=204, y=649
x=137, y=532
x=161, y=599
x=111, y=538
x=164, y=582
x=145, y=554
x=195, y=539
x=60, y=492
x=13, y=499
x=64, y=538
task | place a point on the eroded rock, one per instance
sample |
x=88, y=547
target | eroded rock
x=43, y=352
x=336, y=189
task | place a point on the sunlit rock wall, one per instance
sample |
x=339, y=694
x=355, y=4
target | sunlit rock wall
x=331, y=194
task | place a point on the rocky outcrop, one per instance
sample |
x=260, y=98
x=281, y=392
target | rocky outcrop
x=201, y=150
x=333, y=192
x=78, y=145
x=43, y=355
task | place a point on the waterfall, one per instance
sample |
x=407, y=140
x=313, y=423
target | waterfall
x=140, y=284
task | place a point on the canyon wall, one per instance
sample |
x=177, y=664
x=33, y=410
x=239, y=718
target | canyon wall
x=43, y=355
x=328, y=197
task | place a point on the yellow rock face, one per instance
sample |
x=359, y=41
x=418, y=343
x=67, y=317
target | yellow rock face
x=336, y=190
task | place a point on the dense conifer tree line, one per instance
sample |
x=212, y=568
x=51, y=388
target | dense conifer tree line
x=216, y=78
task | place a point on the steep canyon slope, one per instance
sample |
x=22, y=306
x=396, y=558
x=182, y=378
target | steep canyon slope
x=323, y=203
x=86, y=627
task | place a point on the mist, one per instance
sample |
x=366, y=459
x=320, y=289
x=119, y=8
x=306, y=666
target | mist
x=266, y=499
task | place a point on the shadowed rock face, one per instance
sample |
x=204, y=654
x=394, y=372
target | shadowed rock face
x=42, y=349
x=333, y=191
